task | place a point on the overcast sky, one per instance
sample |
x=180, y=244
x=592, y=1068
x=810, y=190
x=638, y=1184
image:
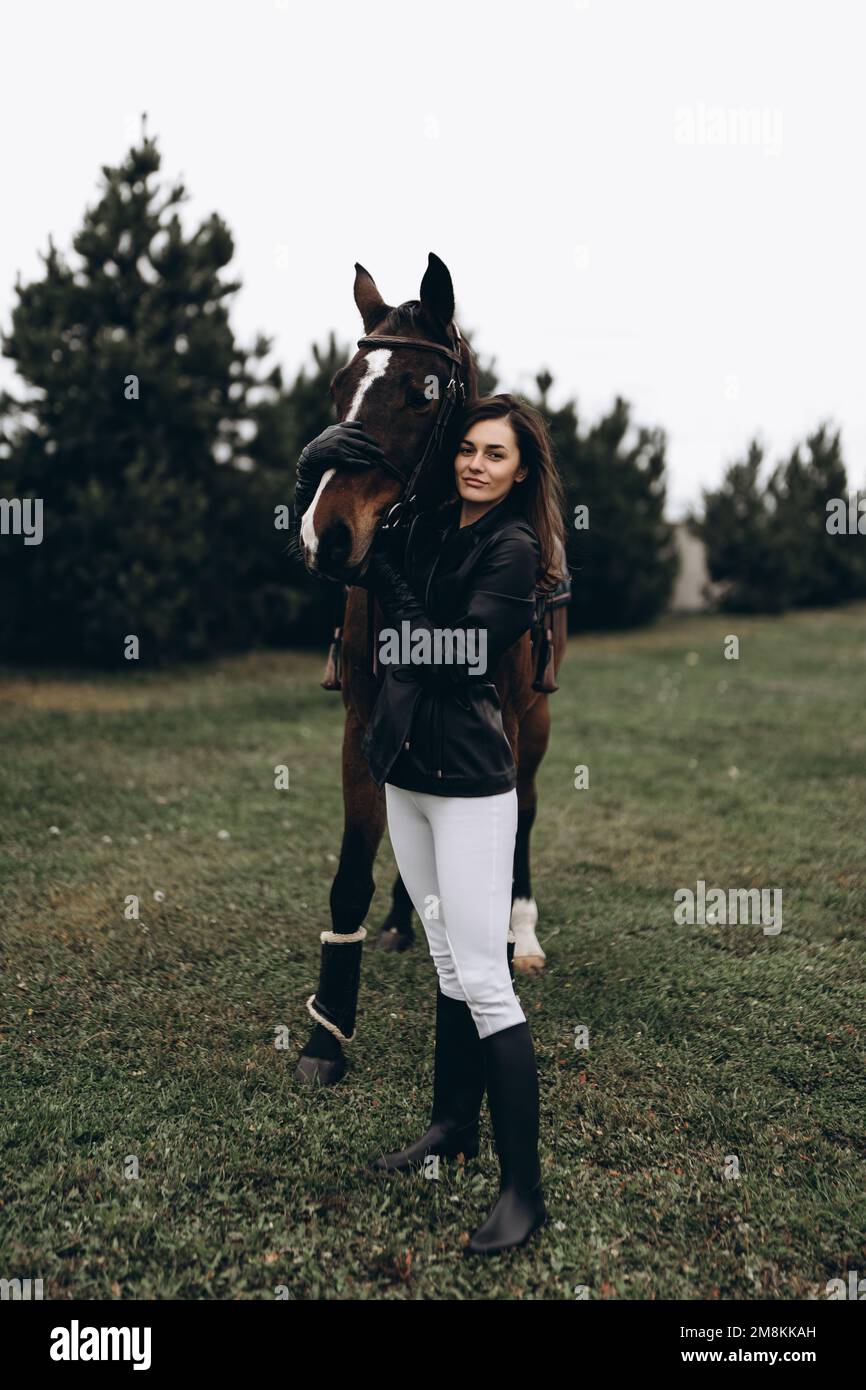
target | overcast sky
x=661, y=200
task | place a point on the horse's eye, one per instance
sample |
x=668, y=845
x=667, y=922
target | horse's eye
x=416, y=400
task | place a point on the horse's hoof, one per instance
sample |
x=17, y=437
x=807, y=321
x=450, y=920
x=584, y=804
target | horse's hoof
x=320, y=1071
x=392, y=939
x=529, y=965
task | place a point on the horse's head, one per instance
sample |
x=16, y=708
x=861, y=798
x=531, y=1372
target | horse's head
x=396, y=392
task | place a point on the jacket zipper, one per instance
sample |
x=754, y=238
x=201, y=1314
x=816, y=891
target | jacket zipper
x=437, y=697
x=408, y=563
x=430, y=578
x=441, y=769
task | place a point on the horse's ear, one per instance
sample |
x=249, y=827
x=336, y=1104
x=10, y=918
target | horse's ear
x=371, y=305
x=437, y=291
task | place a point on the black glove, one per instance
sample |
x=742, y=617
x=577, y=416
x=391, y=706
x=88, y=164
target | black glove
x=387, y=545
x=386, y=578
x=344, y=445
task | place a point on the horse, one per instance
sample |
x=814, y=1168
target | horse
x=393, y=382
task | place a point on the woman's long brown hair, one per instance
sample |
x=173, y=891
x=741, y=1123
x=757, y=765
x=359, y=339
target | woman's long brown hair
x=541, y=492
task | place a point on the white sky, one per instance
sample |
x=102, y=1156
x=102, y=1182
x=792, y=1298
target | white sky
x=574, y=162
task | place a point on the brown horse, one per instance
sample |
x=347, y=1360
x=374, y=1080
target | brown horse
x=397, y=391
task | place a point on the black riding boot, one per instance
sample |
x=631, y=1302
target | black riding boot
x=458, y=1090
x=512, y=1094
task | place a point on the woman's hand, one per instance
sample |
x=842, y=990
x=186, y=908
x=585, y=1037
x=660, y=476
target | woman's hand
x=386, y=546
x=345, y=445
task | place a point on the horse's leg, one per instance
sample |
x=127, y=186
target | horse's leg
x=534, y=736
x=397, y=933
x=335, y=1002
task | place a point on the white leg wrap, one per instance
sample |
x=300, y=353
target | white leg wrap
x=524, y=920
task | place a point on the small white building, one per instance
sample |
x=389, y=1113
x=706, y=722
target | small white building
x=694, y=591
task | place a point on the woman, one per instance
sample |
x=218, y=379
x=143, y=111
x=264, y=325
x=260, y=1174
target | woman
x=436, y=742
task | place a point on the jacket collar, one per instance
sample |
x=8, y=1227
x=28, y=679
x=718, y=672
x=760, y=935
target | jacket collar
x=496, y=516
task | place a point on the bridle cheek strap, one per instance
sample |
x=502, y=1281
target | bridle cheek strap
x=454, y=392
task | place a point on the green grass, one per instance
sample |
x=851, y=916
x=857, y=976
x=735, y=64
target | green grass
x=155, y=1037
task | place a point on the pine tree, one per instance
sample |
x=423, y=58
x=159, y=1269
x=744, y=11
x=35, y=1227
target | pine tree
x=768, y=544
x=141, y=433
x=822, y=568
x=743, y=554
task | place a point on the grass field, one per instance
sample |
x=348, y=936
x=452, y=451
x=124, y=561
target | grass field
x=154, y=1039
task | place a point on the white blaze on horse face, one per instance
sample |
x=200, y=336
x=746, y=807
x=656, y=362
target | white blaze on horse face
x=377, y=363
x=308, y=530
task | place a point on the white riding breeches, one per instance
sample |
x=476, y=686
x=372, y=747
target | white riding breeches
x=456, y=857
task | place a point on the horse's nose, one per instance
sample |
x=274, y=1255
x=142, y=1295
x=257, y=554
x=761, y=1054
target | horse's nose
x=334, y=548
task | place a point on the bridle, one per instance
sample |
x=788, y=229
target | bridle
x=454, y=392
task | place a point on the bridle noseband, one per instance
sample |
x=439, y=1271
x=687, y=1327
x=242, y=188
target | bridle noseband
x=454, y=392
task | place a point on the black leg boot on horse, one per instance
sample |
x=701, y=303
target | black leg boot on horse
x=334, y=1005
x=512, y=1094
x=458, y=1091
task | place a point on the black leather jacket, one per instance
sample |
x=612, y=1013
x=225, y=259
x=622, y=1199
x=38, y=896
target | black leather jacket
x=438, y=727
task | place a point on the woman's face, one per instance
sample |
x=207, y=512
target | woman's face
x=488, y=463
